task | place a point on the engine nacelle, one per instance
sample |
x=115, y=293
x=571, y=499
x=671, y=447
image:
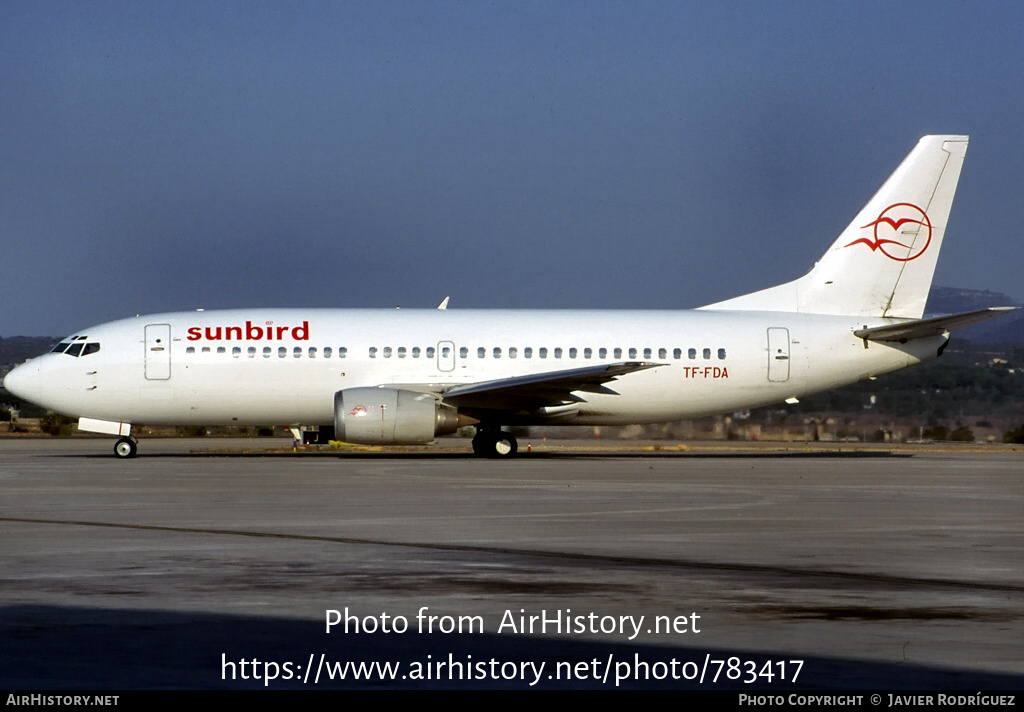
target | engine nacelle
x=389, y=416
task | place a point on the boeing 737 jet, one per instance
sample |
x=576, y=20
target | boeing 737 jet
x=385, y=376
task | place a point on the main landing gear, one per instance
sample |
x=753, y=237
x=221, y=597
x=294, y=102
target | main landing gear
x=492, y=442
x=126, y=448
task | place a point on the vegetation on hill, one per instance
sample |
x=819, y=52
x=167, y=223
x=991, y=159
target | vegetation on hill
x=937, y=390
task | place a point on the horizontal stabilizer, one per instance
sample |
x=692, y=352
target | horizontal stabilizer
x=935, y=326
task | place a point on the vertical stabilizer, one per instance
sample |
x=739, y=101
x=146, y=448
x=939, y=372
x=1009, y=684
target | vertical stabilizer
x=883, y=262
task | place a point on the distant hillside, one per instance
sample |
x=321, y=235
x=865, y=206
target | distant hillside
x=1007, y=329
x=948, y=300
x=15, y=349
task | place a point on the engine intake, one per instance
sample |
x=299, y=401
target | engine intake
x=390, y=416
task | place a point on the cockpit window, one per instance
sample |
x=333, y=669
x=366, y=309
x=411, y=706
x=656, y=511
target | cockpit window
x=76, y=347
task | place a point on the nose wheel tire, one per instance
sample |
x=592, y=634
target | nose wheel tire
x=126, y=448
x=495, y=443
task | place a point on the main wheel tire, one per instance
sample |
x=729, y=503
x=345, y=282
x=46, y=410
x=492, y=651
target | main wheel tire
x=483, y=443
x=495, y=443
x=125, y=448
x=504, y=445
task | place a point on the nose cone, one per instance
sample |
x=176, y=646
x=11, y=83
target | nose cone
x=23, y=381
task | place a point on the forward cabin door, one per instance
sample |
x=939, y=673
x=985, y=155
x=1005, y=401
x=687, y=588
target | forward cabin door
x=778, y=354
x=158, y=352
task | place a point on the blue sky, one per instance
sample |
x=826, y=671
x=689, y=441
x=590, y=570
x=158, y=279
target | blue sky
x=161, y=156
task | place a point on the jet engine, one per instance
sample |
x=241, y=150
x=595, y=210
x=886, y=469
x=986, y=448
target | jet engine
x=390, y=416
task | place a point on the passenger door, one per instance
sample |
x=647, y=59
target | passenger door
x=158, y=352
x=778, y=354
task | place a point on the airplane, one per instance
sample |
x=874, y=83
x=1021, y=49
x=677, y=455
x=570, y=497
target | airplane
x=401, y=376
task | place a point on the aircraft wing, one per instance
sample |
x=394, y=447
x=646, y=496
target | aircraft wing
x=540, y=389
x=935, y=326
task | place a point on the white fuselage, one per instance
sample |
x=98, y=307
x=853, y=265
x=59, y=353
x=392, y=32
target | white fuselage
x=283, y=366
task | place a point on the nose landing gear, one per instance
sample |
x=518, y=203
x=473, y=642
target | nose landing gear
x=126, y=448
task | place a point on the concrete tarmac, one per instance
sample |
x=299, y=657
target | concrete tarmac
x=216, y=564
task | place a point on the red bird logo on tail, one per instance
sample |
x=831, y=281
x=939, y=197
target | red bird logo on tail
x=896, y=216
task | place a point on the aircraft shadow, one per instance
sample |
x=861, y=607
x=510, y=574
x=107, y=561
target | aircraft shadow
x=524, y=457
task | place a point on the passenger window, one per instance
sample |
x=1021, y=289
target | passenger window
x=342, y=351
x=282, y=352
x=618, y=352
x=312, y=351
x=497, y=352
x=387, y=352
x=297, y=352
x=542, y=352
x=632, y=352
x=603, y=353
x=401, y=352
x=721, y=353
x=236, y=351
x=267, y=351
x=221, y=350
x=662, y=353
x=463, y=352
x=588, y=352
x=572, y=352
x=677, y=353
x=528, y=352
x=446, y=351
x=328, y=351
x=558, y=352
x=707, y=353
x=373, y=352
x=189, y=350
x=647, y=352
x=512, y=351
x=252, y=352
x=692, y=353
x=431, y=351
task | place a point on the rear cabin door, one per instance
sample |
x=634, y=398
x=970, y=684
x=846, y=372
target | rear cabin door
x=778, y=354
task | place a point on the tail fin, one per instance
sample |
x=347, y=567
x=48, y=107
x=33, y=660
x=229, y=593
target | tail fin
x=883, y=262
